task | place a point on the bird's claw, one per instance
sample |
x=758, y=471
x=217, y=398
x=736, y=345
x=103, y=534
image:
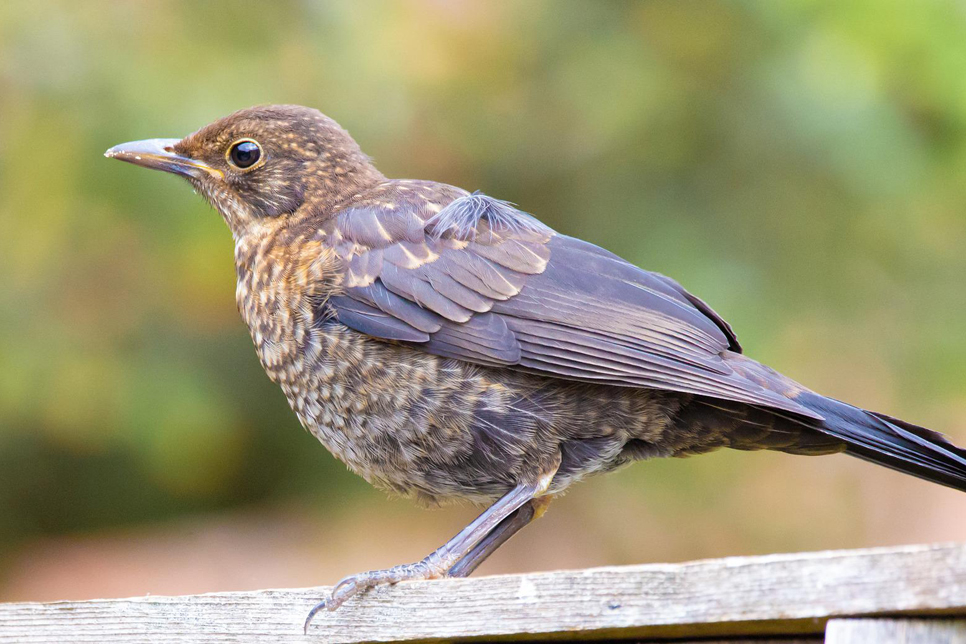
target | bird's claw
x=311, y=615
x=355, y=584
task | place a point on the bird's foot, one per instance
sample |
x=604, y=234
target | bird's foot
x=471, y=544
x=429, y=568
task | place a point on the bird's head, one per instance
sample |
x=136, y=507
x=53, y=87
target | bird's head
x=262, y=162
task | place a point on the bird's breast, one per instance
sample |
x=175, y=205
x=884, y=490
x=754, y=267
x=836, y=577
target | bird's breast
x=419, y=424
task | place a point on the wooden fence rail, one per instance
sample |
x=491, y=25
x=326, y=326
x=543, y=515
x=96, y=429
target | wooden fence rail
x=917, y=594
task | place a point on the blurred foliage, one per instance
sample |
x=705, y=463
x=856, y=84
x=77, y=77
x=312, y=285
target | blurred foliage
x=800, y=165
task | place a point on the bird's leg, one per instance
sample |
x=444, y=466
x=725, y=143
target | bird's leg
x=444, y=558
x=532, y=509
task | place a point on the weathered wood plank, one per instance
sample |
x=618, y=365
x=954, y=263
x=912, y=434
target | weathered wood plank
x=732, y=597
x=738, y=640
x=896, y=631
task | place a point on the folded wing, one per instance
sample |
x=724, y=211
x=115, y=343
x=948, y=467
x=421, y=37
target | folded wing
x=483, y=282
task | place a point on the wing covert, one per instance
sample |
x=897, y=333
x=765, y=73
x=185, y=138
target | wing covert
x=482, y=282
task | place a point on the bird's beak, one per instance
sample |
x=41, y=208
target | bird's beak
x=159, y=154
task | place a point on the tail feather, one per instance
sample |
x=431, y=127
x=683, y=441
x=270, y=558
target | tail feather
x=890, y=442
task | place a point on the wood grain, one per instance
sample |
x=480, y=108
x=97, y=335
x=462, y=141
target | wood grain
x=790, y=594
x=896, y=631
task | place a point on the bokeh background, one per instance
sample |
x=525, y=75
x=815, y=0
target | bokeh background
x=800, y=165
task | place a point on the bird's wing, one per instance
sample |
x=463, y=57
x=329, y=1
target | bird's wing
x=482, y=282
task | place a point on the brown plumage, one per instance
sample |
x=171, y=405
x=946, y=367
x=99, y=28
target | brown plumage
x=446, y=345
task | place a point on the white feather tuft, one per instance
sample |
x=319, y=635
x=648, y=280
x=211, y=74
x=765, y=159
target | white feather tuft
x=461, y=218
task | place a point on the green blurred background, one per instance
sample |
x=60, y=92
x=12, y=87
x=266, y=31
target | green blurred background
x=800, y=165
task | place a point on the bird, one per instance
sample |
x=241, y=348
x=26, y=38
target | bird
x=446, y=345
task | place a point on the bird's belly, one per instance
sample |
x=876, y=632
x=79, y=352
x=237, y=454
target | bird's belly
x=402, y=419
x=438, y=429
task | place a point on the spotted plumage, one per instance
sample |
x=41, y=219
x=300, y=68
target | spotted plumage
x=446, y=345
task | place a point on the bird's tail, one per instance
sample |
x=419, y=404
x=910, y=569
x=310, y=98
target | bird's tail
x=865, y=434
x=889, y=441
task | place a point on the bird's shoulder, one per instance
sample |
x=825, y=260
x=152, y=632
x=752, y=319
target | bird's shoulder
x=408, y=224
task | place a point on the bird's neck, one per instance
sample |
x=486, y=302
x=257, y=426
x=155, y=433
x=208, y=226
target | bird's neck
x=337, y=177
x=324, y=192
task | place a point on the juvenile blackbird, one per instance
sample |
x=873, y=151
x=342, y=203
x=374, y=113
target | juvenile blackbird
x=446, y=345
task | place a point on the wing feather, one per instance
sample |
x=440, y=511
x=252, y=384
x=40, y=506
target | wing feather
x=372, y=321
x=379, y=297
x=481, y=282
x=411, y=286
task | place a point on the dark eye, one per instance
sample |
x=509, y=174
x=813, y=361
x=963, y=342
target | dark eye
x=244, y=154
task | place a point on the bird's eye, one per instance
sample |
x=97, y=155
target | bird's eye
x=244, y=154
